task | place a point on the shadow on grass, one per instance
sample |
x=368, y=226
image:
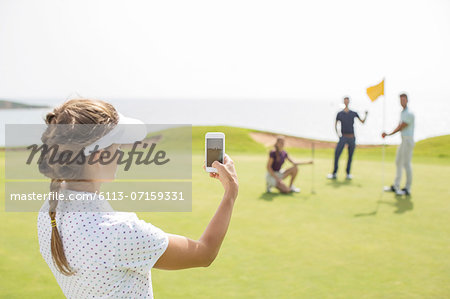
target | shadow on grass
x=338, y=184
x=402, y=205
x=270, y=196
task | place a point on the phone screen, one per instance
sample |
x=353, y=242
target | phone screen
x=214, y=150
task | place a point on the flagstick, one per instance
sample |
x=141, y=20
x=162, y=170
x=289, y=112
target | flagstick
x=384, y=139
x=312, y=169
x=374, y=92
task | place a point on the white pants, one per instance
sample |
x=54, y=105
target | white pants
x=271, y=181
x=403, y=160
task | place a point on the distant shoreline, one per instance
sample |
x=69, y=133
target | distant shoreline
x=7, y=105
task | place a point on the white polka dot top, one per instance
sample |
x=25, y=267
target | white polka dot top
x=111, y=252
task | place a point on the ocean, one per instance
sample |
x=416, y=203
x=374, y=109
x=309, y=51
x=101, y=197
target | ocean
x=302, y=118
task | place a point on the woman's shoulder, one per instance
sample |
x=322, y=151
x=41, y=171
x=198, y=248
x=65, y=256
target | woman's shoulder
x=126, y=221
x=129, y=227
x=120, y=218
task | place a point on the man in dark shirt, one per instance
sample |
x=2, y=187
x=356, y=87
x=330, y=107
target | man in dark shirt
x=346, y=117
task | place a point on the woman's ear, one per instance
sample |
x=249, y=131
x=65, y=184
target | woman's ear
x=94, y=171
x=96, y=155
x=95, y=165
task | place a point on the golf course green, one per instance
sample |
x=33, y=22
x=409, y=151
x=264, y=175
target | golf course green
x=345, y=240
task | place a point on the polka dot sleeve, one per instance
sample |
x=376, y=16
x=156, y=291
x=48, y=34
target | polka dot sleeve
x=139, y=245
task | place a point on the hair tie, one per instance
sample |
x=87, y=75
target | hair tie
x=53, y=223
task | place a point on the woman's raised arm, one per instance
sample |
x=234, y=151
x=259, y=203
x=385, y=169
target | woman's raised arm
x=183, y=252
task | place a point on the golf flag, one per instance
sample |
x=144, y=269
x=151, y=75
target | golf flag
x=375, y=91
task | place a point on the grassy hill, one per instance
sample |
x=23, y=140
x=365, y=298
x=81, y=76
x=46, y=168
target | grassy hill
x=237, y=139
x=438, y=147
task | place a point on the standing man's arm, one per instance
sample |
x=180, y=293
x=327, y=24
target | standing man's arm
x=336, y=128
x=400, y=127
x=365, y=117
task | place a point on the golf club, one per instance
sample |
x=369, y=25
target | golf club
x=312, y=168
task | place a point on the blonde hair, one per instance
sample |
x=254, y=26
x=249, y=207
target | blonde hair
x=72, y=112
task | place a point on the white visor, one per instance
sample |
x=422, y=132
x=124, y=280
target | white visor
x=127, y=131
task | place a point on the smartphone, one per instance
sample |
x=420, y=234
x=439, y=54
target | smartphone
x=214, y=149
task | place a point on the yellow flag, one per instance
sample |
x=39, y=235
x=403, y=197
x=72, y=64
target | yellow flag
x=375, y=91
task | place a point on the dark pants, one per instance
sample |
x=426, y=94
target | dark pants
x=338, y=151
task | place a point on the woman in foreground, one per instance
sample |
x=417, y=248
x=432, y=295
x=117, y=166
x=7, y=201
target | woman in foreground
x=96, y=252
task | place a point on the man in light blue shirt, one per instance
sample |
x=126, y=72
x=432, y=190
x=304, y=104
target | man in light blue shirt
x=407, y=117
x=405, y=150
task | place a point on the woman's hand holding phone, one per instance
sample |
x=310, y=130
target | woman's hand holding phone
x=226, y=174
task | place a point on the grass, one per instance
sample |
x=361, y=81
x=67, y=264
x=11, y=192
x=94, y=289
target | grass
x=348, y=240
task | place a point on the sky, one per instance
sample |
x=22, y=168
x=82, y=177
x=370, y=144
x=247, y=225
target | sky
x=315, y=50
